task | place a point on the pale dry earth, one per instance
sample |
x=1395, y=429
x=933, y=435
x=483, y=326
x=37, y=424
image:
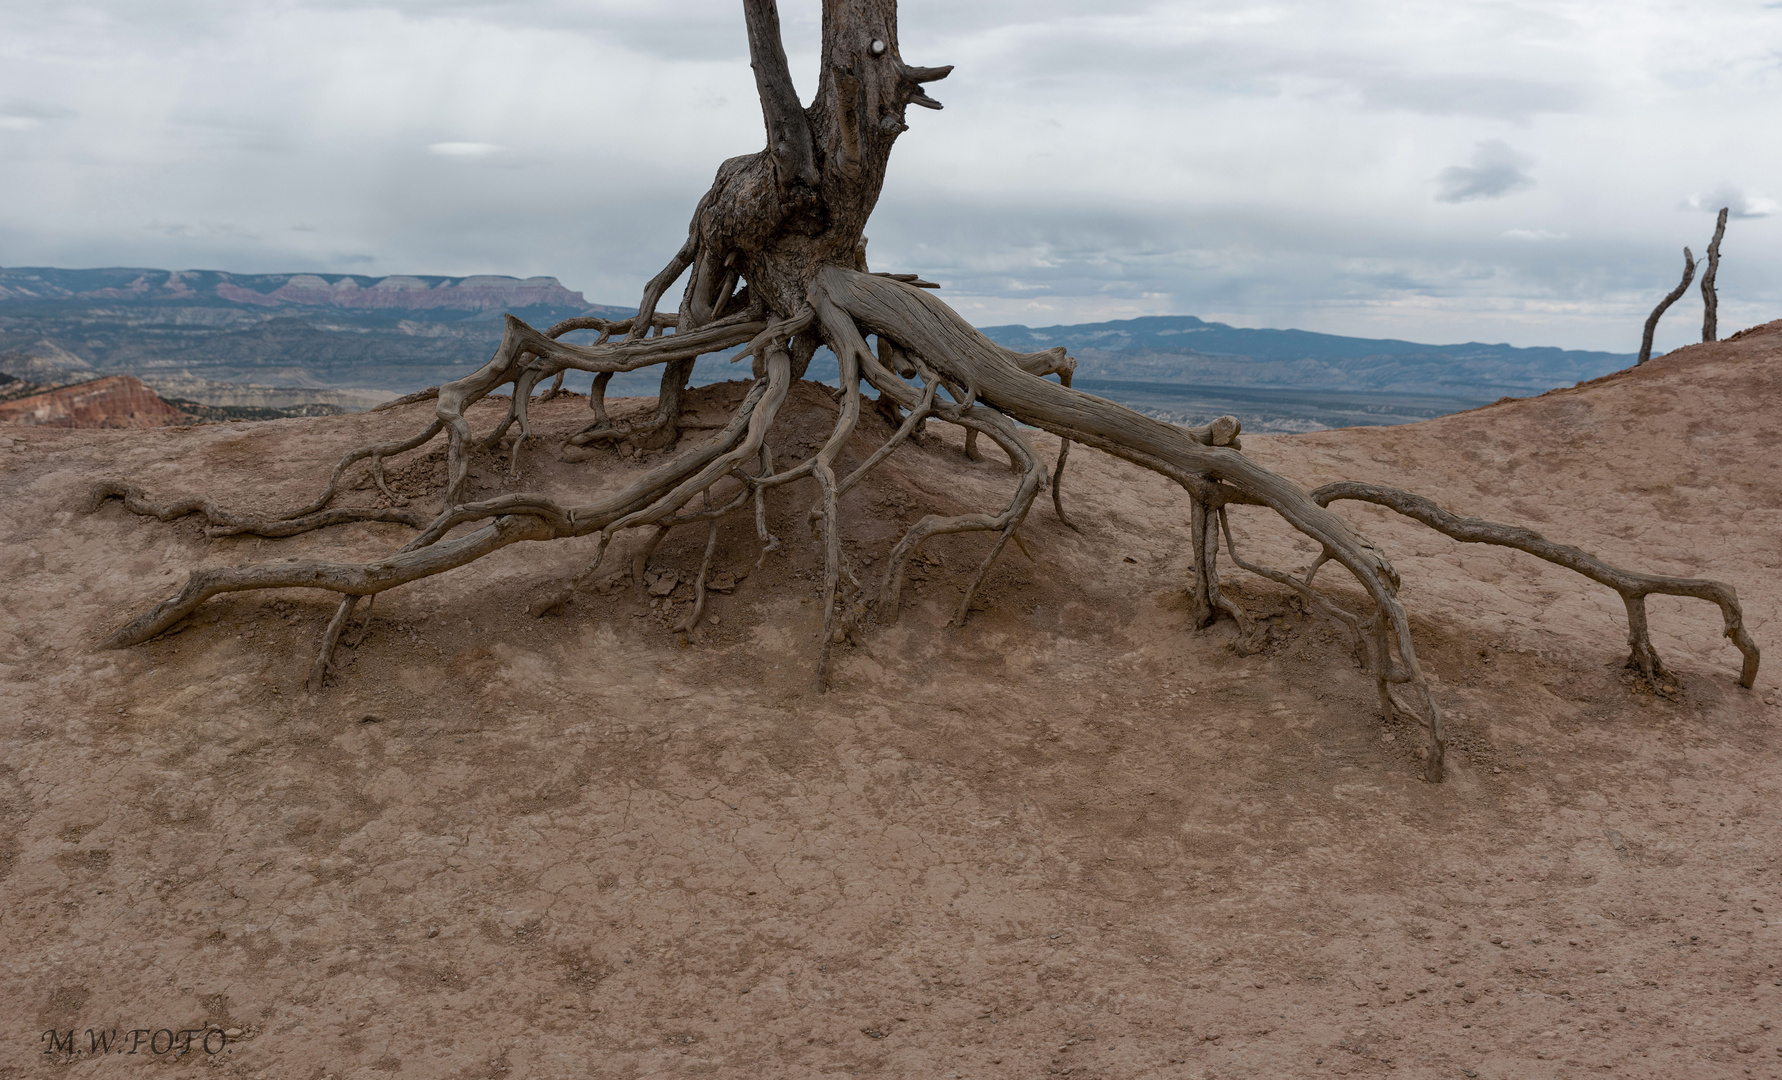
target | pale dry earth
x=1073, y=838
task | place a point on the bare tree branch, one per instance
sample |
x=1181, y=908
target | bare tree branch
x=788, y=131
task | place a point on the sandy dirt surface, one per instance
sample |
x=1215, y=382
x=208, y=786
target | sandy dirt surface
x=1072, y=839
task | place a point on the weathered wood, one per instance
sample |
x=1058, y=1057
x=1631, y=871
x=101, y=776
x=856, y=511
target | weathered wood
x=1632, y=587
x=1658, y=312
x=788, y=131
x=1711, y=298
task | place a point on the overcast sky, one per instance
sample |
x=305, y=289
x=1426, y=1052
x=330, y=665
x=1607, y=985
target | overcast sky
x=1445, y=171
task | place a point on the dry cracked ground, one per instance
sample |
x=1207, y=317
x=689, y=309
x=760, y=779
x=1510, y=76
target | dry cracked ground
x=1074, y=838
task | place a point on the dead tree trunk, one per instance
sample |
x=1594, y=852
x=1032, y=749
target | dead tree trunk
x=1710, y=298
x=1669, y=299
x=776, y=260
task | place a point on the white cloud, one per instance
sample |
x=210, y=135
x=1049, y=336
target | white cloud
x=468, y=150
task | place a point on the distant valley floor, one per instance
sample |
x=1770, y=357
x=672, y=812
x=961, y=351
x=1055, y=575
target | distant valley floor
x=1260, y=408
x=272, y=343
x=1264, y=408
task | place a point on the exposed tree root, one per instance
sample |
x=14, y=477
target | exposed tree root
x=223, y=523
x=1632, y=587
x=777, y=263
x=318, y=671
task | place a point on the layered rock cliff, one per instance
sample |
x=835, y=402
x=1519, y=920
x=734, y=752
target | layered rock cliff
x=116, y=401
x=485, y=292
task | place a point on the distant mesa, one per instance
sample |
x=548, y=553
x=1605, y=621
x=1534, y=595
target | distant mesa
x=482, y=293
x=477, y=293
x=288, y=340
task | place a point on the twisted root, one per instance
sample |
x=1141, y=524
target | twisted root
x=990, y=392
x=1632, y=587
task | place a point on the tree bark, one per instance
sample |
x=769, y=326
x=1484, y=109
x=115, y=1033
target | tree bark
x=1669, y=299
x=1710, y=298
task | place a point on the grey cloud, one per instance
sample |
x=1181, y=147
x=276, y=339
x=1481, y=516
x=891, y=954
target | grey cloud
x=685, y=30
x=1738, y=203
x=1258, y=258
x=1496, y=171
x=1468, y=95
x=1238, y=66
x=25, y=109
x=1217, y=256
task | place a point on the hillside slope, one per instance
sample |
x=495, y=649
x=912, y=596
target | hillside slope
x=1072, y=836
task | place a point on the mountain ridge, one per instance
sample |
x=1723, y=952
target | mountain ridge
x=476, y=292
x=1187, y=349
x=207, y=334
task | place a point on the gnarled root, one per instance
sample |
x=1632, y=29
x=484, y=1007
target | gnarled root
x=318, y=671
x=221, y=522
x=992, y=392
x=1632, y=587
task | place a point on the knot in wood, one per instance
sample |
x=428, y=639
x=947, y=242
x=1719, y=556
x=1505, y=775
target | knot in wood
x=1225, y=432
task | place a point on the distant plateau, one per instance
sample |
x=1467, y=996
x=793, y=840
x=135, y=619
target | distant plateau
x=288, y=344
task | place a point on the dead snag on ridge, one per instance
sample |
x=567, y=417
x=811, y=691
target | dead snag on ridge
x=775, y=262
x=1710, y=298
x=1658, y=312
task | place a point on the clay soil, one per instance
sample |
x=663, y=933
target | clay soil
x=1074, y=838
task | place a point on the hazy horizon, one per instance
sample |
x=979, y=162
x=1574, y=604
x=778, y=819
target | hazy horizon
x=1478, y=171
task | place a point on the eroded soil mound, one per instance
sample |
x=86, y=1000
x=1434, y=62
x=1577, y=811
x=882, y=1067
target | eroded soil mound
x=1070, y=837
x=116, y=401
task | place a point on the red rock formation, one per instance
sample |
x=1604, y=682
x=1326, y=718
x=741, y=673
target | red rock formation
x=116, y=401
x=484, y=293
